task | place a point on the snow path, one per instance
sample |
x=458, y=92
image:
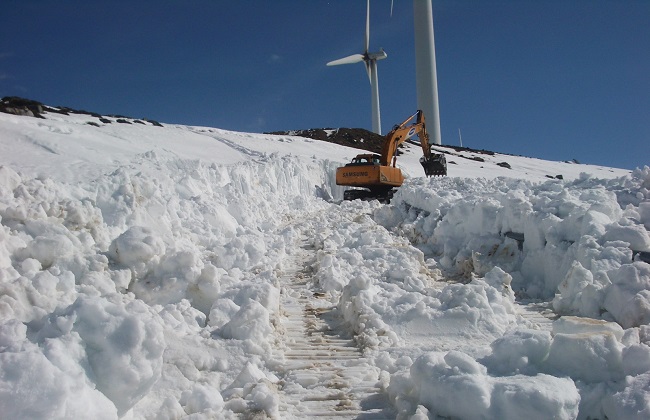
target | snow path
x=540, y=315
x=325, y=374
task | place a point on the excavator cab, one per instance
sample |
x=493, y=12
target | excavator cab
x=367, y=159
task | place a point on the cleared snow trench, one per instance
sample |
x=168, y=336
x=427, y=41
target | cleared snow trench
x=539, y=315
x=324, y=374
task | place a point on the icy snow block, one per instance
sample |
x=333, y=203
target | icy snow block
x=124, y=344
x=9, y=180
x=632, y=402
x=579, y=293
x=537, y=397
x=636, y=235
x=628, y=298
x=452, y=384
x=137, y=245
x=636, y=359
x=578, y=325
x=590, y=357
x=33, y=387
x=50, y=249
x=644, y=213
x=518, y=351
x=202, y=399
x=250, y=322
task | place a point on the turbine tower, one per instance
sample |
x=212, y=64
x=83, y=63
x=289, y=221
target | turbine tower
x=370, y=60
x=425, y=67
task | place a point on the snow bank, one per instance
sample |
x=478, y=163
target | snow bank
x=387, y=285
x=117, y=294
x=534, y=374
x=577, y=240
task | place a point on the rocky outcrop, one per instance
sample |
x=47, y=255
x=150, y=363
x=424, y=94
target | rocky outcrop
x=20, y=106
x=352, y=137
x=28, y=107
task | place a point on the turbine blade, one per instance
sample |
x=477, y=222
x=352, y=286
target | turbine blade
x=355, y=58
x=391, y=8
x=369, y=71
x=367, y=27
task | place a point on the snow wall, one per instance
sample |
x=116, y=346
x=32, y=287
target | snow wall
x=106, y=286
x=579, y=241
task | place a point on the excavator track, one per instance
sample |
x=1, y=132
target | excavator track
x=325, y=374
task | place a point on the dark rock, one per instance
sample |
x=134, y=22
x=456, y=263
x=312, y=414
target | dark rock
x=352, y=137
x=152, y=122
x=105, y=120
x=504, y=165
x=62, y=111
x=21, y=106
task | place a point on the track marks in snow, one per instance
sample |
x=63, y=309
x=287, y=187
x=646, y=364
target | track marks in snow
x=233, y=145
x=539, y=315
x=324, y=374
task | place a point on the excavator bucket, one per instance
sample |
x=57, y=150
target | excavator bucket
x=436, y=165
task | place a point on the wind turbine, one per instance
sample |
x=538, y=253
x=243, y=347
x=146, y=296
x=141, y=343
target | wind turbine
x=426, y=78
x=370, y=60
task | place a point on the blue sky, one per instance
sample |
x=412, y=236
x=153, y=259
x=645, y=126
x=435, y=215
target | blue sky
x=553, y=79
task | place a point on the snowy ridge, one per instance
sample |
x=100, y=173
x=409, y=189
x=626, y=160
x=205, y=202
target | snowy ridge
x=148, y=272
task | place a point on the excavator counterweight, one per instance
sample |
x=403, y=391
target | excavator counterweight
x=378, y=174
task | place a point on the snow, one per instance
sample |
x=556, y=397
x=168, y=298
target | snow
x=143, y=275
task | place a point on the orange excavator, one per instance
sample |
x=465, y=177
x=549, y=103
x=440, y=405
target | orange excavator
x=377, y=175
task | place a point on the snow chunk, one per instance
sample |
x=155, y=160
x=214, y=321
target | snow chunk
x=632, y=402
x=455, y=385
x=628, y=298
x=534, y=397
x=137, y=246
x=31, y=386
x=590, y=357
x=636, y=235
x=250, y=323
x=49, y=249
x=579, y=325
x=9, y=180
x=124, y=345
x=202, y=399
x=518, y=351
x=452, y=384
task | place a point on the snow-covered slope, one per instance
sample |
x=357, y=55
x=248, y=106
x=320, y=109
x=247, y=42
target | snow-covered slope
x=154, y=272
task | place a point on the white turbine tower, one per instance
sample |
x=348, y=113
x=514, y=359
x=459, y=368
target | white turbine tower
x=425, y=67
x=426, y=78
x=370, y=60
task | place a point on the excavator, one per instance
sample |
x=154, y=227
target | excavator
x=377, y=175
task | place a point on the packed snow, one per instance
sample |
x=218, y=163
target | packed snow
x=143, y=275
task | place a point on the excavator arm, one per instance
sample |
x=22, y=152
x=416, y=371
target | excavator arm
x=433, y=164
